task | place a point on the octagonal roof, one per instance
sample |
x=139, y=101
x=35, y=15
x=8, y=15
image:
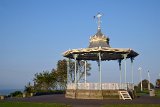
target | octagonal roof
x=99, y=43
x=99, y=40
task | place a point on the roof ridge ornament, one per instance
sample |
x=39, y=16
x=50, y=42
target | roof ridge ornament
x=99, y=15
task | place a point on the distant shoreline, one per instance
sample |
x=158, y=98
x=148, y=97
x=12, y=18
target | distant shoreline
x=8, y=91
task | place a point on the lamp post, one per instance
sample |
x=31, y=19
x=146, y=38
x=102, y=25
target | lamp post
x=140, y=76
x=149, y=81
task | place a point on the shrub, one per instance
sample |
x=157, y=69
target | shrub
x=38, y=93
x=16, y=94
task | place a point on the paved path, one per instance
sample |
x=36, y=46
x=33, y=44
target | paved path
x=60, y=98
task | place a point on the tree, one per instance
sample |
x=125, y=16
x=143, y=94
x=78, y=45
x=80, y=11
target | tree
x=145, y=84
x=158, y=83
x=80, y=69
x=61, y=74
x=57, y=78
x=44, y=81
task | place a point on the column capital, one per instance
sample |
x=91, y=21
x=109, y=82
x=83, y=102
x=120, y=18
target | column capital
x=125, y=56
x=99, y=55
x=75, y=56
x=119, y=61
x=132, y=58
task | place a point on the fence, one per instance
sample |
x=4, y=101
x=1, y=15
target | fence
x=97, y=86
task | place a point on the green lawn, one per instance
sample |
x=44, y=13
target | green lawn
x=24, y=104
x=132, y=105
x=146, y=92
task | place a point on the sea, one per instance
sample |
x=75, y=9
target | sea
x=7, y=92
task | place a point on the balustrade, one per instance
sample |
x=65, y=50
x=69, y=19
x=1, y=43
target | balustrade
x=96, y=86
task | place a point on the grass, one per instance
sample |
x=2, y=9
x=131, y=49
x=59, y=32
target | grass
x=141, y=94
x=146, y=92
x=28, y=104
x=157, y=91
x=132, y=105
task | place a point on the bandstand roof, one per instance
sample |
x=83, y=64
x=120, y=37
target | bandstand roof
x=99, y=43
x=106, y=53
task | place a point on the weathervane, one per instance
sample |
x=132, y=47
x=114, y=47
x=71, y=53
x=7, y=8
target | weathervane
x=99, y=15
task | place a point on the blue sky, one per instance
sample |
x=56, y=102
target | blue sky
x=35, y=33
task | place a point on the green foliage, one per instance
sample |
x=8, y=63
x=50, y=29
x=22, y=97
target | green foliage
x=49, y=92
x=158, y=83
x=44, y=81
x=56, y=79
x=23, y=104
x=80, y=69
x=16, y=94
x=61, y=74
x=145, y=85
x=145, y=90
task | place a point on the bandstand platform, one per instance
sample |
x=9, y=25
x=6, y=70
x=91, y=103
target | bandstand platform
x=93, y=91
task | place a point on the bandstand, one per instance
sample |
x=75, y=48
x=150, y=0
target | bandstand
x=99, y=50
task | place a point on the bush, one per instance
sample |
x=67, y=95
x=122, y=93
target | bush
x=49, y=92
x=16, y=94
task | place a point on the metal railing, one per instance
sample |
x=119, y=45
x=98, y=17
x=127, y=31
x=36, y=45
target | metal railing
x=96, y=86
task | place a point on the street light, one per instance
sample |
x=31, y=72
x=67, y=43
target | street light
x=140, y=76
x=149, y=87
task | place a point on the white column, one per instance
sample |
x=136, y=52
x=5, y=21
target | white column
x=120, y=69
x=100, y=71
x=85, y=70
x=68, y=69
x=75, y=70
x=132, y=69
x=78, y=73
x=125, y=69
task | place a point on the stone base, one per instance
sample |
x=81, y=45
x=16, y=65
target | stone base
x=92, y=94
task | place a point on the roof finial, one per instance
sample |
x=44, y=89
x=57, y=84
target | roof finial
x=99, y=15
